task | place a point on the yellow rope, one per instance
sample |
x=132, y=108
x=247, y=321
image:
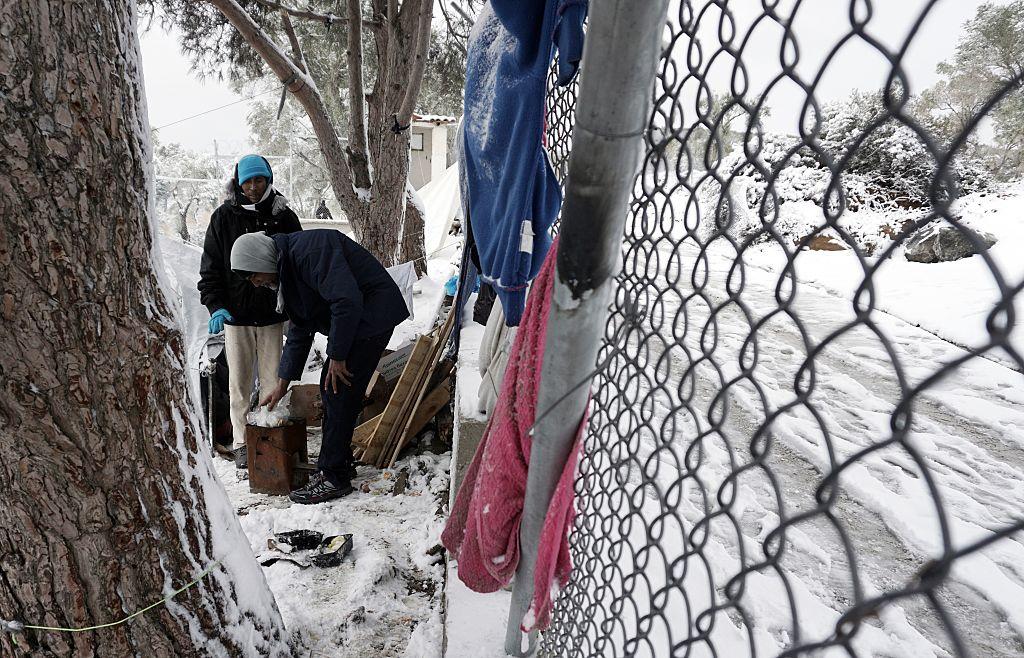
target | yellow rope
x=15, y=626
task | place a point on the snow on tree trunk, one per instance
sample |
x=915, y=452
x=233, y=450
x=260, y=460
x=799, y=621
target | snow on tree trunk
x=108, y=504
x=413, y=237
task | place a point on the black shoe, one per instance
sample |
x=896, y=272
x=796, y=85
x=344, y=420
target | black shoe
x=319, y=490
x=352, y=473
x=241, y=457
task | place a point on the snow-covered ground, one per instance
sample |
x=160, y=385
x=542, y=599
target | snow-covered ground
x=688, y=413
x=385, y=598
x=952, y=300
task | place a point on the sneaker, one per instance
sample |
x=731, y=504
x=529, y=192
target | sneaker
x=319, y=490
x=241, y=457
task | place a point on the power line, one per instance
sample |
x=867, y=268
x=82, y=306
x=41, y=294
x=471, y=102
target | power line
x=241, y=100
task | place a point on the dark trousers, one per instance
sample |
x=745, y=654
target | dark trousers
x=341, y=409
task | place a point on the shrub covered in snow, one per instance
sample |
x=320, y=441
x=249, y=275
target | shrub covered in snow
x=877, y=170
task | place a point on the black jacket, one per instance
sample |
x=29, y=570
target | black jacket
x=333, y=286
x=219, y=287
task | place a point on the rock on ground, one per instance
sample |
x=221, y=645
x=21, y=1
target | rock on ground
x=940, y=244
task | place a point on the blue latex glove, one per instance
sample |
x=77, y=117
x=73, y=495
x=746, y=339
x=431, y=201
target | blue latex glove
x=217, y=320
x=451, y=286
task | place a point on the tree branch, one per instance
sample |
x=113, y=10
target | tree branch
x=305, y=91
x=383, y=41
x=297, y=57
x=403, y=117
x=326, y=19
x=458, y=38
x=357, y=150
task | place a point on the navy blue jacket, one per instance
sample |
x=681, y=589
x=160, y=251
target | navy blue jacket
x=332, y=286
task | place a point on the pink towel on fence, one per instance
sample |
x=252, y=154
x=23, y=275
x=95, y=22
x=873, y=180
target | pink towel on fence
x=483, y=530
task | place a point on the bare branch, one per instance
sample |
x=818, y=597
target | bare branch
x=310, y=162
x=326, y=19
x=297, y=57
x=453, y=31
x=357, y=150
x=462, y=12
x=403, y=118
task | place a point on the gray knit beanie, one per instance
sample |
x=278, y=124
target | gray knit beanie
x=254, y=252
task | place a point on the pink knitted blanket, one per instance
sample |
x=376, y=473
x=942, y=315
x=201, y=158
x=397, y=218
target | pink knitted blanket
x=483, y=530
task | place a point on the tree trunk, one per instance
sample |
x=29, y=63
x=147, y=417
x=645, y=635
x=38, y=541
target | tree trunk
x=107, y=504
x=388, y=230
x=183, y=219
x=413, y=237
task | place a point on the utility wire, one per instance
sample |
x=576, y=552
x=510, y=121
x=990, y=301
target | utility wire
x=241, y=100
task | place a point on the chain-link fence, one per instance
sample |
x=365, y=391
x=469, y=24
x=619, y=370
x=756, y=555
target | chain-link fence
x=807, y=438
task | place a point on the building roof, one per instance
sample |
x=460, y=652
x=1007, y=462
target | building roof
x=433, y=119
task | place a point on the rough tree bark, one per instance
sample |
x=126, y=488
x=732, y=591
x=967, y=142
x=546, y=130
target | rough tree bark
x=106, y=505
x=383, y=220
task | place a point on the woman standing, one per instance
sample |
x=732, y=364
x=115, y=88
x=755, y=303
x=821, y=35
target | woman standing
x=253, y=328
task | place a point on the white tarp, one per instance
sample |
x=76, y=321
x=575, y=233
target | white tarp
x=441, y=200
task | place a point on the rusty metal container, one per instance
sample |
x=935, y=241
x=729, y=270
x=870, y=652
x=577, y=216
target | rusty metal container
x=276, y=457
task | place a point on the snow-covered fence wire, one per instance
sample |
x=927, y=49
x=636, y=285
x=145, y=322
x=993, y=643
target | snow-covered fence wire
x=801, y=443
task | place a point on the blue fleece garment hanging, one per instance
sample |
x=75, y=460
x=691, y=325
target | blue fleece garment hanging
x=509, y=192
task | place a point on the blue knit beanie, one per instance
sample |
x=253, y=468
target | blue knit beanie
x=252, y=166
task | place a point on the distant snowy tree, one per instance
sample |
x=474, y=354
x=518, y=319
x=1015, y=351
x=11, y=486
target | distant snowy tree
x=880, y=161
x=304, y=176
x=988, y=60
x=860, y=154
x=186, y=183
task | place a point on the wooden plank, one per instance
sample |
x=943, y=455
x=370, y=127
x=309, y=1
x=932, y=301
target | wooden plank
x=362, y=434
x=403, y=389
x=408, y=404
x=377, y=394
x=444, y=371
x=403, y=437
x=431, y=404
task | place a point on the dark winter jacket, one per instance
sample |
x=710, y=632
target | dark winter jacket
x=219, y=287
x=333, y=286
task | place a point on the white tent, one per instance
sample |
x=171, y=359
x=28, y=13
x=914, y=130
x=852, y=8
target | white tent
x=442, y=203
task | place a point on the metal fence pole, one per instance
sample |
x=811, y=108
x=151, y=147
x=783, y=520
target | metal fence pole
x=623, y=43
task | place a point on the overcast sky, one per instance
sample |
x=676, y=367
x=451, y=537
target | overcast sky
x=174, y=93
